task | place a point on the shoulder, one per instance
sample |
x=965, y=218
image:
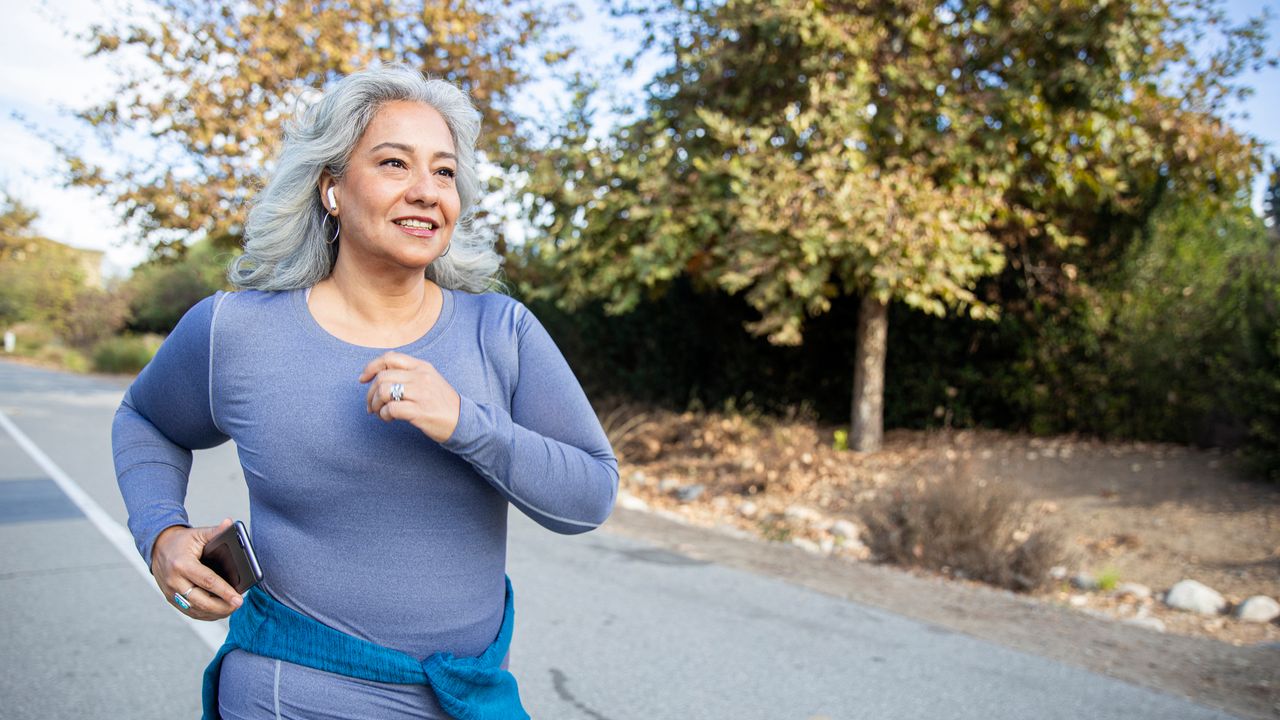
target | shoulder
x=249, y=300
x=494, y=313
x=238, y=306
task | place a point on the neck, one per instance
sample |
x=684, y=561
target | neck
x=378, y=301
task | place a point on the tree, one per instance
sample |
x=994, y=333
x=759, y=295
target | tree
x=44, y=282
x=219, y=80
x=161, y=290
x=893, y=151
x=39, y=278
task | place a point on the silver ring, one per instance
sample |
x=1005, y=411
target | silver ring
x=181, y=601
x=188, y=592
x=397, y=392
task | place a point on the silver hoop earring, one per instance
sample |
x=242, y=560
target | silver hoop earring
x=336, y=230
x=447, y=248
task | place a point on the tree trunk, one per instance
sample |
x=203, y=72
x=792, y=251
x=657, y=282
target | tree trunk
x=868, y=375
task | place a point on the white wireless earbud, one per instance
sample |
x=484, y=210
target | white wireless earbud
x=333, y=201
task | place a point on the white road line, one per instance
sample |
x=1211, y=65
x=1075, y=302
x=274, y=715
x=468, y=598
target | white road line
x=211, y=633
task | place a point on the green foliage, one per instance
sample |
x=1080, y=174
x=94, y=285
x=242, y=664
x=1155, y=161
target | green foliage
x=1177, y=342
x=1252, y=371
x=840, y=440
x=125, y=353
x=63, y=357
x=95, y=314
x=757, y=170
x=1135, y=358
x=798, y=152
x=39, y=278
x=161, y=290
x=16, y=221
x=44, y=299
x=951, y=157
x=1175, y=313
x=1108, y=579
x=30, y=338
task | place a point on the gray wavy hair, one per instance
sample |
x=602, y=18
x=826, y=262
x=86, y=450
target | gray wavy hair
x=286, y=232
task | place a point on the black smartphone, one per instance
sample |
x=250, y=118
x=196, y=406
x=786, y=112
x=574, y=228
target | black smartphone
x=230, y=554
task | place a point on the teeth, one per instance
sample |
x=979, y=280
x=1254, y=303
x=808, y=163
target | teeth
x=417, y=224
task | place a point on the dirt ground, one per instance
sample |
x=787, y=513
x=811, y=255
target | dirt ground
x=1129, y=512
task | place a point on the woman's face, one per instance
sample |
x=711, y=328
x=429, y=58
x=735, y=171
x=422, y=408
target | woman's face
x=398, y=200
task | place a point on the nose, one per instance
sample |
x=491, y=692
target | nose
x=423, y=190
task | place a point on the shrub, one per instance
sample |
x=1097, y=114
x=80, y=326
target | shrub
x=96, y=315
x=1254, y=372
x=161, y=290
x=1108, y=579
x=64, y=357
x=124, y=353
x=31, y=338
x=978, y=532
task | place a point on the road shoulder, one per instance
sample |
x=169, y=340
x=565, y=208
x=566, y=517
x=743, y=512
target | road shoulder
x=1239, y=680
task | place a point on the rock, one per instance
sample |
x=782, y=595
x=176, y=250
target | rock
x=631, y=502
x=1259, y=608
x=802, y=514
x=845, y=530
x=1146, y=621
x=638, y=477
x=1079, y=600
x=1137, y=591
x=668, y=484
x=748, y=509
x=806, y=544
x=1084, y=581
x=827, y=545
x=1195, y=597
x=1058, y=572
x=689, y=493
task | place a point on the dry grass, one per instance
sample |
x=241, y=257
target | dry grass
x=980, y=531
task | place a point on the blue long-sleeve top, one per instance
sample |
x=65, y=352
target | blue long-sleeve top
x=370, y=527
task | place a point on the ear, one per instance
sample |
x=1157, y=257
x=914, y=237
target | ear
x=328, y=194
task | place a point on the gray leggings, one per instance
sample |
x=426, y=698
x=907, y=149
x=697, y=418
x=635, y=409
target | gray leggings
x=253, y=687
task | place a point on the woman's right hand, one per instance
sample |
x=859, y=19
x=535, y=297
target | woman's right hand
x=176, y=566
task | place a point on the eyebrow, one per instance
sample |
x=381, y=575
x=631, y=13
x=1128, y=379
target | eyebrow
x=409, y=149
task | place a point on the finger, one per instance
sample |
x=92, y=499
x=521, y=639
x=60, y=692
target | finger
x=216, y=592
x=390, y=412
x=390, y=360
x=380, y=389
x=207, y=533
x=207, y=606
x=387, y=409
x=413, y=384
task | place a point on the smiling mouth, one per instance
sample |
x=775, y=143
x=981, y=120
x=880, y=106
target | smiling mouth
x=418, y=224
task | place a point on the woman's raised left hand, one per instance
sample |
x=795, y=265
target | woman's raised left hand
x=428, y=401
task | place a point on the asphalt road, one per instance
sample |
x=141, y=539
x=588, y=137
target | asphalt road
x=608, y=627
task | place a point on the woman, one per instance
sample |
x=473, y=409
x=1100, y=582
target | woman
x=385, y=410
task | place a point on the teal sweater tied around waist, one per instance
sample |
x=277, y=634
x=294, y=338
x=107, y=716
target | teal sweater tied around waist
x=468, y=688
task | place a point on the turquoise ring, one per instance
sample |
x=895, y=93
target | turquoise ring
x=180, y=599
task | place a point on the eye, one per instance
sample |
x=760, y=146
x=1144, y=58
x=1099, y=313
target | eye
x=393, y=162
x=447, y=172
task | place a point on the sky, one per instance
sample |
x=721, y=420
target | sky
x=44, y=75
